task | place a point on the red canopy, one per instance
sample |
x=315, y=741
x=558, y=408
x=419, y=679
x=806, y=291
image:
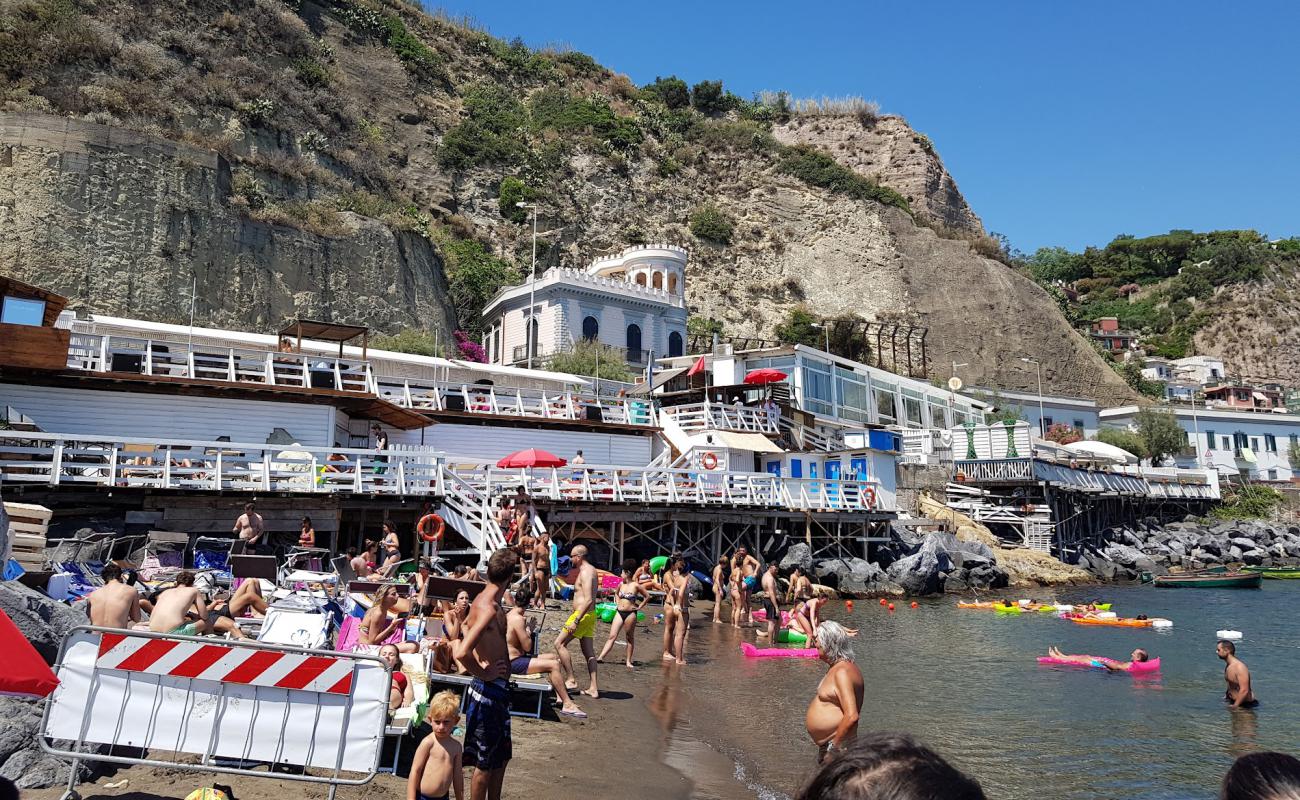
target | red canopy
x=531, y=457
x=765, y=375
x=25, y=673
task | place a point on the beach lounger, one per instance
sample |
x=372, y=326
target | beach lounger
x=293, y=627
x=522, y=687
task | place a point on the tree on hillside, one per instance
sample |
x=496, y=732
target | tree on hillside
x=1124, y=440
x=708, y=98
x=670, y=91
x=798, y=328
x=1160, y=433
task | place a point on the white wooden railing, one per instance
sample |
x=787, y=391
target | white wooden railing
x=718, y=416
x=926, y=445
x=806, y=437
x=468, y=486
x=516, y=402
x=170, y=359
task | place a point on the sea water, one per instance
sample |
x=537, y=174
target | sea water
x=966, y=683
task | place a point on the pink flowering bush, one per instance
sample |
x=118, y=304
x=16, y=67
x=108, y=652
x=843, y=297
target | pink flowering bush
x=467, y=349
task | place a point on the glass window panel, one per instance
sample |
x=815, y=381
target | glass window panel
x=23, y=311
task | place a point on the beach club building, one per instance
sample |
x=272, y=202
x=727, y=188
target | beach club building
x=633, y=302
x=1077, y=412
x=1252, y=445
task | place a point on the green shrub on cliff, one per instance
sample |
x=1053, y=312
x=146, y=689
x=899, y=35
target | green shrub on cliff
x=473, y=276
x=821, y=169
x=512, y=192
x=710, y=223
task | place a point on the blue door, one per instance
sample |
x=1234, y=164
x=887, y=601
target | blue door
x=832, y=489
x=774, y=468
x=858, y=466
x=796, y=468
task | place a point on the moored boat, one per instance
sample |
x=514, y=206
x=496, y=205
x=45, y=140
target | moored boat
x=1206, y=580
x=1274, y=572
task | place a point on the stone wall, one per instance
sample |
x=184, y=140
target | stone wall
x=122, y=222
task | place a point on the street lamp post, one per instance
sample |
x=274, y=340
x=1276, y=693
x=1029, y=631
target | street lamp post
x=532, y=285
x=1038, y=367
x=952, y=393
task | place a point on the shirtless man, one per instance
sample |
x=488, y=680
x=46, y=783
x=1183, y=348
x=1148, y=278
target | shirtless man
x=483, y=653
x=113, y=605
x=249, y=528
x=719, y=587
x=581, y=624
x=1239, y=694
x=519, y=641
x=541, y=569
x=770, y=594
x=748, y=566
x=832, y=718
x=170, y=609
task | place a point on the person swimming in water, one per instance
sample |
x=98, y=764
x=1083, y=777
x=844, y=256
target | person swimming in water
x=1138, y=656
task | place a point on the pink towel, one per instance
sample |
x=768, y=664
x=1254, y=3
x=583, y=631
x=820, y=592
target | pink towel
x=351, y=630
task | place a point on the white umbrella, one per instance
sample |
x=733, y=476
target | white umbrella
x=1102, y=450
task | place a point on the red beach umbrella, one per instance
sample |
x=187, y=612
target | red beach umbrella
x=765, y=375
x=531, y=457
x=25, y=673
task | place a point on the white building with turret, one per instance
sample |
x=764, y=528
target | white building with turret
x=633, y=301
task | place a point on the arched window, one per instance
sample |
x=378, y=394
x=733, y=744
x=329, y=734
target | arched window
x=672, y=283
x=659, y=280
x=536, y=335
x=674, y=344
x=640, y=278
x=634, y=343
x=590, y=328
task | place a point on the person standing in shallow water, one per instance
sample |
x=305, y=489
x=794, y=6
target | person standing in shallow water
x=1237, y=676
x=832, y=718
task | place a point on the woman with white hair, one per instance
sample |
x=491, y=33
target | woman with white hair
x=832, y=718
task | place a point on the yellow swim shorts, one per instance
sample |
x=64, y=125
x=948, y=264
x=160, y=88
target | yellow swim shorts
x=584, y=628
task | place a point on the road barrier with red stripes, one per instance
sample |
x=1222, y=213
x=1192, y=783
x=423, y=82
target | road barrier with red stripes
x=228, y=702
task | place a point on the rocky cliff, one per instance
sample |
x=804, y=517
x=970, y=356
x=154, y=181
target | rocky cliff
x=334, y=159
x=888, y=150
x=123, y=222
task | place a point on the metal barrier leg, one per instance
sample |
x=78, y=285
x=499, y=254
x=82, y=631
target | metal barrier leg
x=71, y=793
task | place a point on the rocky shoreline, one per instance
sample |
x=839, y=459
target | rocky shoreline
x=1189, y=545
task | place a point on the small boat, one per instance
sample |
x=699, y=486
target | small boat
x=1274, y=572
x=1207, y=580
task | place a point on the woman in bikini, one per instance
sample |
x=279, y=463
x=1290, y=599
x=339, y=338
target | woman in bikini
x=632, y=597
x=376, y=626
x=307, y=536
x=735, y=587
x=392, y=548
x=676, y=611
x=646, y=578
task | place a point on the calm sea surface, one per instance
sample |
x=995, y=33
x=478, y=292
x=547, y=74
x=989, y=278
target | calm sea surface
x=966, y=683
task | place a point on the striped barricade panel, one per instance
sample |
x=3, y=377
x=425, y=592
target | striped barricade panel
x=218, y=699
x=226, y=664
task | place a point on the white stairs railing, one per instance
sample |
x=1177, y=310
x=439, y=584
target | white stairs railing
x=808, y=438
x=469, y=511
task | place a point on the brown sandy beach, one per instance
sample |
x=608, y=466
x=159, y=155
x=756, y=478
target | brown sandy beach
x=624, y=749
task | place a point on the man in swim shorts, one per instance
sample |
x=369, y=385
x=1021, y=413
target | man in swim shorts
x=482, y=653
x=581, y=624
x=748, y=566
x=170, y=612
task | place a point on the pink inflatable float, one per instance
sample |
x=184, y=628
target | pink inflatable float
x=1098, y=662
x=751, y=651
x=761, y=616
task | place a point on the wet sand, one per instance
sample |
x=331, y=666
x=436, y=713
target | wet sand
x=635, y=742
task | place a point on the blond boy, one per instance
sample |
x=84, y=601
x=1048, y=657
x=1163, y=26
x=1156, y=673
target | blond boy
x=437, y=769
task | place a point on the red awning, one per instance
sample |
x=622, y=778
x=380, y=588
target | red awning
x=25, y=673
x=531, y=458
x=765, y=375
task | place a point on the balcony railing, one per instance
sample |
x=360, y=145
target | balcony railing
x=188, y=465
x=515, y=402
x=718, y=416
x=169, y=359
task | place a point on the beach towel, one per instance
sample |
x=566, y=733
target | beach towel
x=351, y=629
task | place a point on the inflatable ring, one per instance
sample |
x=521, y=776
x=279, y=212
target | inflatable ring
x=871, y=497
x=709, y=461
x=657, y=564
x=430, y=527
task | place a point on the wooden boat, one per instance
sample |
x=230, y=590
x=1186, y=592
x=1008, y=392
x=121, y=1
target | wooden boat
x=1207, y=580
x=1274, y=572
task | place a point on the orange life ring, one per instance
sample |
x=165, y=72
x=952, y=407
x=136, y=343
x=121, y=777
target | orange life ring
x=709, y=461
x=871, y=497
x=430, y=527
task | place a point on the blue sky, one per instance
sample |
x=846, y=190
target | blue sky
x=1063, y=123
